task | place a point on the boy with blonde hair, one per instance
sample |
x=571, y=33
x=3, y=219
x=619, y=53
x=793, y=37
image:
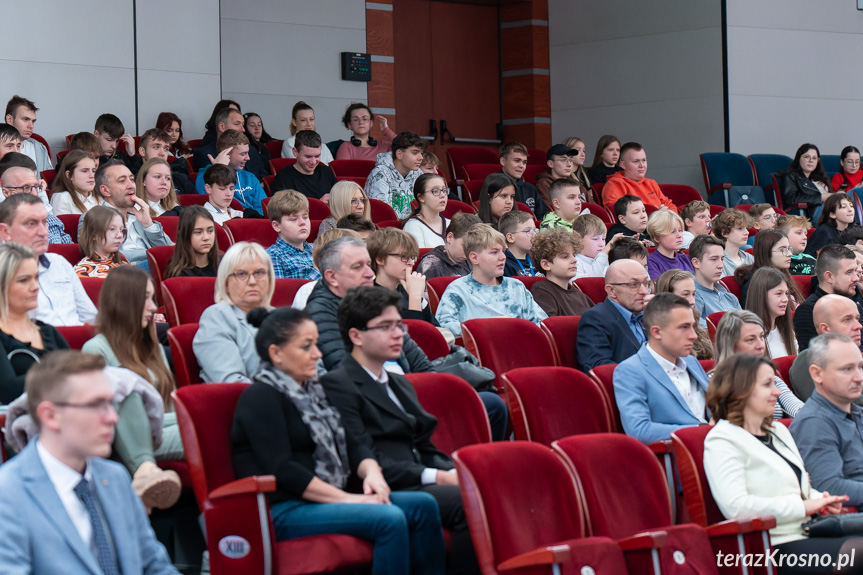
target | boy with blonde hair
x=484, y=292
x=288, y=211
x=796, y=229
x=519, y=229
x=565, y=202
x=593, y=259
x=555, y=253
x=666, y=229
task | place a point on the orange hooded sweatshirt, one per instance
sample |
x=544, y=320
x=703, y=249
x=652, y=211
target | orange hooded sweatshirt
x=648, y=190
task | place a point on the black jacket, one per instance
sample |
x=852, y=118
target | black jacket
x=323, y=306
x=400, y=440
x=799, y=190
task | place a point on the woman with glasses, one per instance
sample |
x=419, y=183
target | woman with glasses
x=358, y=119
x=285, y=426
x=23, y=341
x=225, y=342
x=426, y=224
x=836, y=216
x=850, y=176
x=805, y=181
x=770, y=299
x=127, y=338
x=346, y=198
x=771, y=250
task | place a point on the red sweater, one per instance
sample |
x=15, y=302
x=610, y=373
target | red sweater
x=854, y=178
x=648, y=190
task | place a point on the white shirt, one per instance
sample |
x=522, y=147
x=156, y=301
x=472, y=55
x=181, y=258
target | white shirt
x=65, y=479
x=302, y=296
x=424, y=235
x=591, y=267
x=429, y=474
x=222, y=216
x=57, y=282
x=62, y=203
x=776, y=346
x=133, y=240
x=692, y=394
x=36, y=151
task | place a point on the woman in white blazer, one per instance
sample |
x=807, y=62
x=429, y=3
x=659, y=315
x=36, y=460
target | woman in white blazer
x=753, y=466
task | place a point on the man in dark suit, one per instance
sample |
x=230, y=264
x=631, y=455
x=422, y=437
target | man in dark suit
x=613, y=330
x=64, y=509
x=380, y=408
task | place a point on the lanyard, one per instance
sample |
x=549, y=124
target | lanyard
x=529, y=263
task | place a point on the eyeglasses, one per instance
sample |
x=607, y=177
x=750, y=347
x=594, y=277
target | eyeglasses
x=783, y=251
x=769, y=217
x=809, y=158
x=851, y=162
x=564, y=159
x=404, y=258
x=387, y=327
x=25, y=189
x=243, y=276
x=634, y=286
x=100, y=406
x=530, y=232
x=358, y=201
x=437, y=192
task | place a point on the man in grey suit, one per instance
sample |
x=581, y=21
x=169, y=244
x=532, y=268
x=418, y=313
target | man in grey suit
x=64, y=509
x=116, y=184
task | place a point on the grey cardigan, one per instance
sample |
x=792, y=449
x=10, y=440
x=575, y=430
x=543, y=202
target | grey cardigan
x=225, y=345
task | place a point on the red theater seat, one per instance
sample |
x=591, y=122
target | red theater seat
x=77, y=335
x=562, y=333
x=186, y=368
x=258, y=231
x=428, y=337
x=505, y=343
x=352, y=168
x=93, y=287
x=70, y=224
x=594, y=288
x=436, y=287
x=72, y=252
x=238, y=507
x=187, y=298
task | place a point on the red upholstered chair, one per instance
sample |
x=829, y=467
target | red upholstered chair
x=93, y=287
x=72, y=252
x=187, y=298
x=70, y=224
x=48, y=176
x=599, y=211
x=286, y=290
x=201, y=199
x=680, y=194
x=194, y=143
x=532, y=171
x=352, y=168
x=158, y=257
x=534, y=518
x=479, y=171
x=267, y=184
x=549, y=403
x=594, y=288
x=604, y=376
x=381, y=211
x=428, y=337
x=732, y=285
x=688, y=447
x=562, y=333
x=169, y=225
x=459, y=157
x=274, y=147
x=318, y=210
x=3, y=443
x=258, y=231
x=186, y=368
x=528, y=281
x=537, y=157
x=77, y=335
x=716, y=317
x=278, y=164
x=783, y=367
x=436, y=287
x=471, y=189
x=461, y=417
x=713, y=323
x=361, y=182
x=44, y=142
x=804, y=284
x=455, y=206
x=505, y=343
x=235, y=508
x=606, y=466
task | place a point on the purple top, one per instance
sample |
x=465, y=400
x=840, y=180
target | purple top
x=658, y=263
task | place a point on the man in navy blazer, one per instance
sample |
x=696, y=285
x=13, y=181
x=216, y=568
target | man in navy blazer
x=662, y=387
x=613, y=331
x=51, y=520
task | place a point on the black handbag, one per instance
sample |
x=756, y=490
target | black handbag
x=462, y=363
x=834, y=525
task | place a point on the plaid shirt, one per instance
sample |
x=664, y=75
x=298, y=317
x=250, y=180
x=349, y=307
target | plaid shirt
x=291, y=263
x=56, y=232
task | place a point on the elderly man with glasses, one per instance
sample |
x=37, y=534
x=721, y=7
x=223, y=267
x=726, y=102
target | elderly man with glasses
x=21, y=180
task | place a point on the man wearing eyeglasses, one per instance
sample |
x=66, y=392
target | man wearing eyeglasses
x=380, y=410
x=613, y=330
x=23, y=180
x=662, y=388
x=63, y=507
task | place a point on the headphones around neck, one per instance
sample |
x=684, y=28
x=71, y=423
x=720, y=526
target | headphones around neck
x=357, y=142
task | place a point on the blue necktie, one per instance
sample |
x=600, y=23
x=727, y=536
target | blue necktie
x=104, y=553
x=635, y=320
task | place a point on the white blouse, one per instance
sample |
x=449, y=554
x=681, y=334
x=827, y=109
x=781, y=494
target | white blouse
x=62, y=203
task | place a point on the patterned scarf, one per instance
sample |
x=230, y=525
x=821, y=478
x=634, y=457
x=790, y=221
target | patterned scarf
x=321, y=419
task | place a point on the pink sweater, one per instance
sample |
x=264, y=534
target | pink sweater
x=348, y=151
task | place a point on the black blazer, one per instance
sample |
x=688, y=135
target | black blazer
x=269, y=438
x=604, y=337
x=401, y=441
